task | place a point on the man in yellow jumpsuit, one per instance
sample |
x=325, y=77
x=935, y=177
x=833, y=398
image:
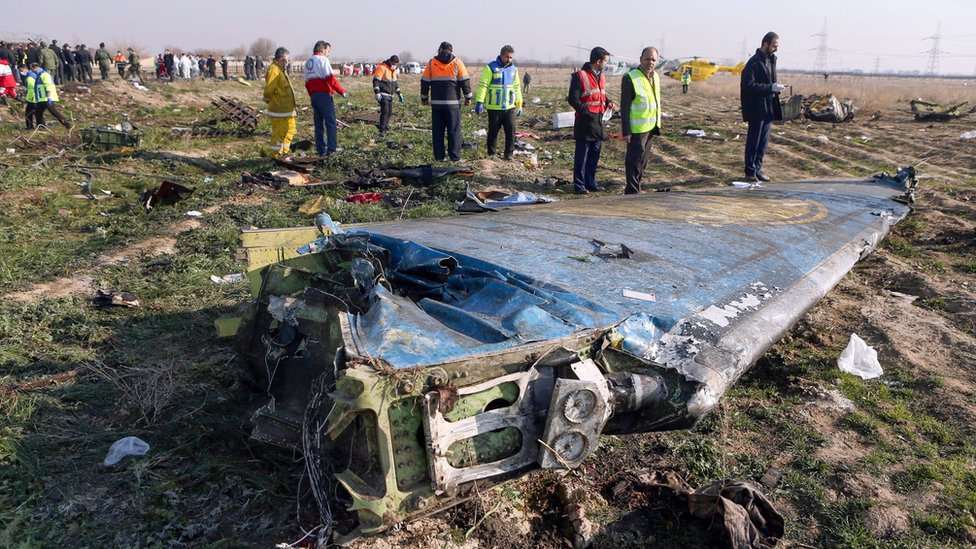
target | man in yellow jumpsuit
x=280, y=97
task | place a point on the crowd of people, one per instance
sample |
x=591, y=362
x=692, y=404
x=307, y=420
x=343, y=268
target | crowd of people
x=444, y=86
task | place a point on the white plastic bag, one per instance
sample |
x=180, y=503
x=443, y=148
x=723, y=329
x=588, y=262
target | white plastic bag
x=859, y=359
x=128, y=446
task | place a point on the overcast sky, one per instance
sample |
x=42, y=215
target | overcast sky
x=887, y=35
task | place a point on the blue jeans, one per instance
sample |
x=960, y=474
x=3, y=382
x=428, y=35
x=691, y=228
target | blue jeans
x=756, y=140
x=585, y=159
x=323, y=114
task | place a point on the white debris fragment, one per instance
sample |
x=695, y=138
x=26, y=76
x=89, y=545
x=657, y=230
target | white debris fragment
x=643, y=296
x=860, y=359
x=128, y=446
x=194, y=213
x=823, y=139
x=695, y=133
x=746, y=184
x=968, y=135
x=227, y=279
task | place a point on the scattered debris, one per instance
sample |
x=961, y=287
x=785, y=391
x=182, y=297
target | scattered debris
x=925, y=111
x=244, y=116
x=111, y=137
x=115, y=299
x=490, y=201
x=124, y=447
x=265, y=179
x=563, y=119
x=737, y=513
x=394, y=145
x=968, y=135
x=194, y=213
x=480, y=133
x=227, y=279
x=604, y=250
x=550, y=181
x=859, y=359
x=823, y=139
x=315, y=205
x=642, y=296
x=827, y=108
x=695, y=133
x=746, y=184
x=364, y=198
x=166, y=194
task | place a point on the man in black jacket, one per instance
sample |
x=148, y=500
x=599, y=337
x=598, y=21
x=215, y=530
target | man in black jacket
x=588, y=95
x=759, y=95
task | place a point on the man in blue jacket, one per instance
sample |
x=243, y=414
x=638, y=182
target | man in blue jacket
x=759, y=95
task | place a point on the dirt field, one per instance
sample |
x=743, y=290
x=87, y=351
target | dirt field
x=883, y=463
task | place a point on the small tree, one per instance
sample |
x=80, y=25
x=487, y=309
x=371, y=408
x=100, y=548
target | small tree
x=238, y=53
x=405, y=56
x=263, y=48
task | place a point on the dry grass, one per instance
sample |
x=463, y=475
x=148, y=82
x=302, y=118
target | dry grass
x=151, y=389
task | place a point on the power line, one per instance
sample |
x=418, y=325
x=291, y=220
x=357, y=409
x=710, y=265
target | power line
x=932, y=65
x=821, y=63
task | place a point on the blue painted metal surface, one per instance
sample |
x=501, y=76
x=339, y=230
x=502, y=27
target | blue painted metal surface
x=695, y=252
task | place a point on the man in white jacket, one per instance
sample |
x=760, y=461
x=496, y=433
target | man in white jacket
x=321, y=83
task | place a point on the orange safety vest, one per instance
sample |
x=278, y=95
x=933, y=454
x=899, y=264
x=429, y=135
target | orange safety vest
x=594, y=96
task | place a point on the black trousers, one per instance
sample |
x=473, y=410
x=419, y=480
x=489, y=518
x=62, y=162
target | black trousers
x=638, y=153
x=121, y=69
x=496, y=121
x=38, y=111
x=386, y=109
x=446, y=120
x=757, y=138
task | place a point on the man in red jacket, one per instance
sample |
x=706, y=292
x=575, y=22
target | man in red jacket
x=321, y=83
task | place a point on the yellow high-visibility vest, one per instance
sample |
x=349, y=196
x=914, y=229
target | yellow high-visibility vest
x=645, y=114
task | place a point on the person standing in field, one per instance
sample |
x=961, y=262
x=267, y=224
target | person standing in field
x=444, y=81
x=759, y=97
x=104, y=59
x=640, y=116
x=588, y=96
x=385, y=86
x=280, y=97
x=500, y=92
x=321, y=83
x=685, y=80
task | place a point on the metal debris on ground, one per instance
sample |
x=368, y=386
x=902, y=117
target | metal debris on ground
x=244, y=116
x=115, y=299
x=827, y=108
x=166, y=194
x=264, y=180
x=926, y=111
x=111, y=137
x=419, y=362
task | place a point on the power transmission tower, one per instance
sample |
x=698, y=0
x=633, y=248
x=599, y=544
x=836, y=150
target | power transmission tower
x=932, y=65
x=877, y=66
x=820, y=65
x=745, y=49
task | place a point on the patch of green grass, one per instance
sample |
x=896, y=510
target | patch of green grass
x=900, y=247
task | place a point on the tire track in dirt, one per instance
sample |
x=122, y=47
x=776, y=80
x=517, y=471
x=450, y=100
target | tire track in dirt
x=82, y=282
x=822, y=155
x=688, y=158
x=786, y=151
x=855, y=150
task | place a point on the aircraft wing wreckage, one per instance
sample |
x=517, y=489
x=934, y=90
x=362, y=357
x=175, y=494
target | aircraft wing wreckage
x=408, y=361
